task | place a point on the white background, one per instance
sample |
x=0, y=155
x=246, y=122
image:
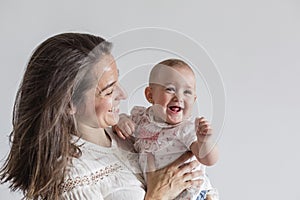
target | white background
x=255, y=45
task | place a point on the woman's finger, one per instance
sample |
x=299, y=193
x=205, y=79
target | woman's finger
x=193, y=175
x=179, y=161
x=188, y=167
x=150, y=163
x=193, y=183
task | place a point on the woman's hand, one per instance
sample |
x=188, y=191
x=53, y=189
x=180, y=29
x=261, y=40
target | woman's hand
x=170, y=181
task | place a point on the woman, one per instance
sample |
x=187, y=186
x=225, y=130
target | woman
x=62, y=144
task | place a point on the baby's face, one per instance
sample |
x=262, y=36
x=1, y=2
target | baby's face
x=173, y=94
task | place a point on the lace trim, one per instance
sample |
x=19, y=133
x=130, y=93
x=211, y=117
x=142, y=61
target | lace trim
x=91, y=179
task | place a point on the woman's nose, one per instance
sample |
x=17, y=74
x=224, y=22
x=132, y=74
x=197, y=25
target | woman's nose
x=120, y=92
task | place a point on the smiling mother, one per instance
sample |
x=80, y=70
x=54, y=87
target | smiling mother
x=62, y=146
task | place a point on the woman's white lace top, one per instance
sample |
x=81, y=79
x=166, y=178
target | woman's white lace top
x=104, y=172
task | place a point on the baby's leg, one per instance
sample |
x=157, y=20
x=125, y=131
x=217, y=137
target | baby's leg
x=212, y=194
x=208, y=197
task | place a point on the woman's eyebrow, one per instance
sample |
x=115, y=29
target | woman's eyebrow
x=108, y=86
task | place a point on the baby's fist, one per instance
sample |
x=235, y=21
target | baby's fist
x=203, y=129
x=125, y=127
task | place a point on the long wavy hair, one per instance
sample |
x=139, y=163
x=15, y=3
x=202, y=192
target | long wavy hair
x=56, y=78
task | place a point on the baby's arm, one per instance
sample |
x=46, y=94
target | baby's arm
x=125, y=127
x=127, y=123
x=204, y=148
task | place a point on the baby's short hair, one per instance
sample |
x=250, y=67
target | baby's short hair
x=172, y=62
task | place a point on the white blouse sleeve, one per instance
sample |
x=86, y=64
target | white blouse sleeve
x=103, y=173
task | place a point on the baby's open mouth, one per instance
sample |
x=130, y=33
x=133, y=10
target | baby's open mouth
x=175, y=109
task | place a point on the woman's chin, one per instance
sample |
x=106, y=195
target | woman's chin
x=114, y=120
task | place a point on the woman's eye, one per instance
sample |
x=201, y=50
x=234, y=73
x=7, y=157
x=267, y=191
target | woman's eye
x=109, y=93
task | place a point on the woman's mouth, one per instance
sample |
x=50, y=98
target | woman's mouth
x=114, y=110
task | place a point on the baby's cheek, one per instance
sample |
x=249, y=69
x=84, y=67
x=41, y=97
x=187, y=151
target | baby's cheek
x=188, y=111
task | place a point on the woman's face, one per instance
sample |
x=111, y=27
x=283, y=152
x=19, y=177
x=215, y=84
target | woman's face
x=101, y=107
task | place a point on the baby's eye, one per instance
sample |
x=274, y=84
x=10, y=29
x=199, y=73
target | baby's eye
x=170, y=89
x=189, y=92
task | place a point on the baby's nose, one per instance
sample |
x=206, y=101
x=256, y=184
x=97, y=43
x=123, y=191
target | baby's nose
x=178, y=97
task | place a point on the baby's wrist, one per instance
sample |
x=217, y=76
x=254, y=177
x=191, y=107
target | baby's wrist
x=205, y=143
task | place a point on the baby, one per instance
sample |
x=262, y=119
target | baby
x=165, y=129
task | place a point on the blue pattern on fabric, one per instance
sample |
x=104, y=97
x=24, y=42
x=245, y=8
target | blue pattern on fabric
x=202, y=195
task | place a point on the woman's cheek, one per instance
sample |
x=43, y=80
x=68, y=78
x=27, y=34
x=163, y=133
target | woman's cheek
x=103, y=107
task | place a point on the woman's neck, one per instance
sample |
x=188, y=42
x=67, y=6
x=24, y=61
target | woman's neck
x=94, y=135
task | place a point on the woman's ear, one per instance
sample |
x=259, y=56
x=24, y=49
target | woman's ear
x=72, y=109
x=148, y=94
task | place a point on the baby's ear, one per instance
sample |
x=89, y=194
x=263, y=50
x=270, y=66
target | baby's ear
x=195, y=98
x=148, y=94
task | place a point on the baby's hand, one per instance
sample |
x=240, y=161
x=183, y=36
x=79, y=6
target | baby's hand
x=203, y=129
x=125, y=127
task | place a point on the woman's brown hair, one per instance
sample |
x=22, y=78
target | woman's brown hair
x=55, y=80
